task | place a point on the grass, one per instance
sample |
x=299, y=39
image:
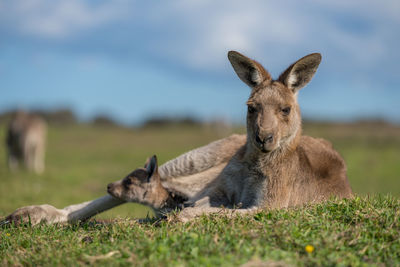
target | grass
x=362, y=231
x=82, y=159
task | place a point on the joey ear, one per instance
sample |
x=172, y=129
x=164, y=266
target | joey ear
x=248, y=70
x=301, y=72
x=152, y=166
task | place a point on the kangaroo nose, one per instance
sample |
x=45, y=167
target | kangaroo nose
x=258, y=139
x=269, y=138
x=108, y=187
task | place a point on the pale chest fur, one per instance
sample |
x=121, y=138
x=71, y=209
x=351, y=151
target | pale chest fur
x=243, y=185
x=260, y=183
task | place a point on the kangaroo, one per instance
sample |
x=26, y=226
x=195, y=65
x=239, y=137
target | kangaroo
x=273, y=166
x=26, y=138
x=144, y=186
x=277, y=167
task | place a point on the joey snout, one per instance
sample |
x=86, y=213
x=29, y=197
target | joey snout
x=115, y=189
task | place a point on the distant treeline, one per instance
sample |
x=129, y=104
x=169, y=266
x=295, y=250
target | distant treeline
x=66, y=116
x=61, y=116
x=166, y=121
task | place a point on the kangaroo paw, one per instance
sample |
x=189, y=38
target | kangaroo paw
x=33, y=215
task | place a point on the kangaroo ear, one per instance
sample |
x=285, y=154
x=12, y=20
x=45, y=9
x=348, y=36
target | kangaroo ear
x=152, y=167
x=301, y=72
x=249, y=71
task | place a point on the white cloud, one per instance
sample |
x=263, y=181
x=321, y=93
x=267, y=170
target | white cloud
x=59, y=19
x=212, y=28
x=197, y=34
x=201, y=32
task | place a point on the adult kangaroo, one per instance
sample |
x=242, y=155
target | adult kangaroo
x=274, y=166
x=277, y=167
x=26, y=139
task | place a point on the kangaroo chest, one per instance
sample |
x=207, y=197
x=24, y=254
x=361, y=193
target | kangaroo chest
x=246, y=187
x=270, y=186
x=253, y=192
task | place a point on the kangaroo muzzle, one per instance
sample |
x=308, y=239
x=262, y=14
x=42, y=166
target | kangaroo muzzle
x=265, y=141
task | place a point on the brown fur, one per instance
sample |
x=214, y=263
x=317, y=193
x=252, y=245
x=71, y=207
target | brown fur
x=26, y=137
x=277, y=167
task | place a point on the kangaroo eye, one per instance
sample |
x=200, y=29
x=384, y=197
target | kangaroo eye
x=286, y=111
x=251, y=109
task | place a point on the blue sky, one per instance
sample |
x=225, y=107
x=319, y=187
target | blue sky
x=134, y=59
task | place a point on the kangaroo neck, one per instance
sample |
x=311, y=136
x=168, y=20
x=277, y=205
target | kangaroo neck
x=173, y=201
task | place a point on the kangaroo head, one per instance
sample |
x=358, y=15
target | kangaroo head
x=273, y=114
x=143, y=186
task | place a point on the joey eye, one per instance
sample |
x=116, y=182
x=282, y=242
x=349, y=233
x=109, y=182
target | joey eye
x=128, y=182
x=251, y=109
x=286, y=111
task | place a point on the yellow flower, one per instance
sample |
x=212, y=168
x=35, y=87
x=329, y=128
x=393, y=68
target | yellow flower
x=7, y=234
x=309, y=248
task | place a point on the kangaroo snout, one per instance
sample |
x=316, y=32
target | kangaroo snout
x=269, y=138
x=109, y=187
x=114, y=190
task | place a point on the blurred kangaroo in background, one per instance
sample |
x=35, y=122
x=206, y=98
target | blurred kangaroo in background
x=274, y=166
x=26, y=140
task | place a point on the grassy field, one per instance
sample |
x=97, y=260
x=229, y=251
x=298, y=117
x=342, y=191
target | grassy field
x=363, y=231
x=82, y=159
